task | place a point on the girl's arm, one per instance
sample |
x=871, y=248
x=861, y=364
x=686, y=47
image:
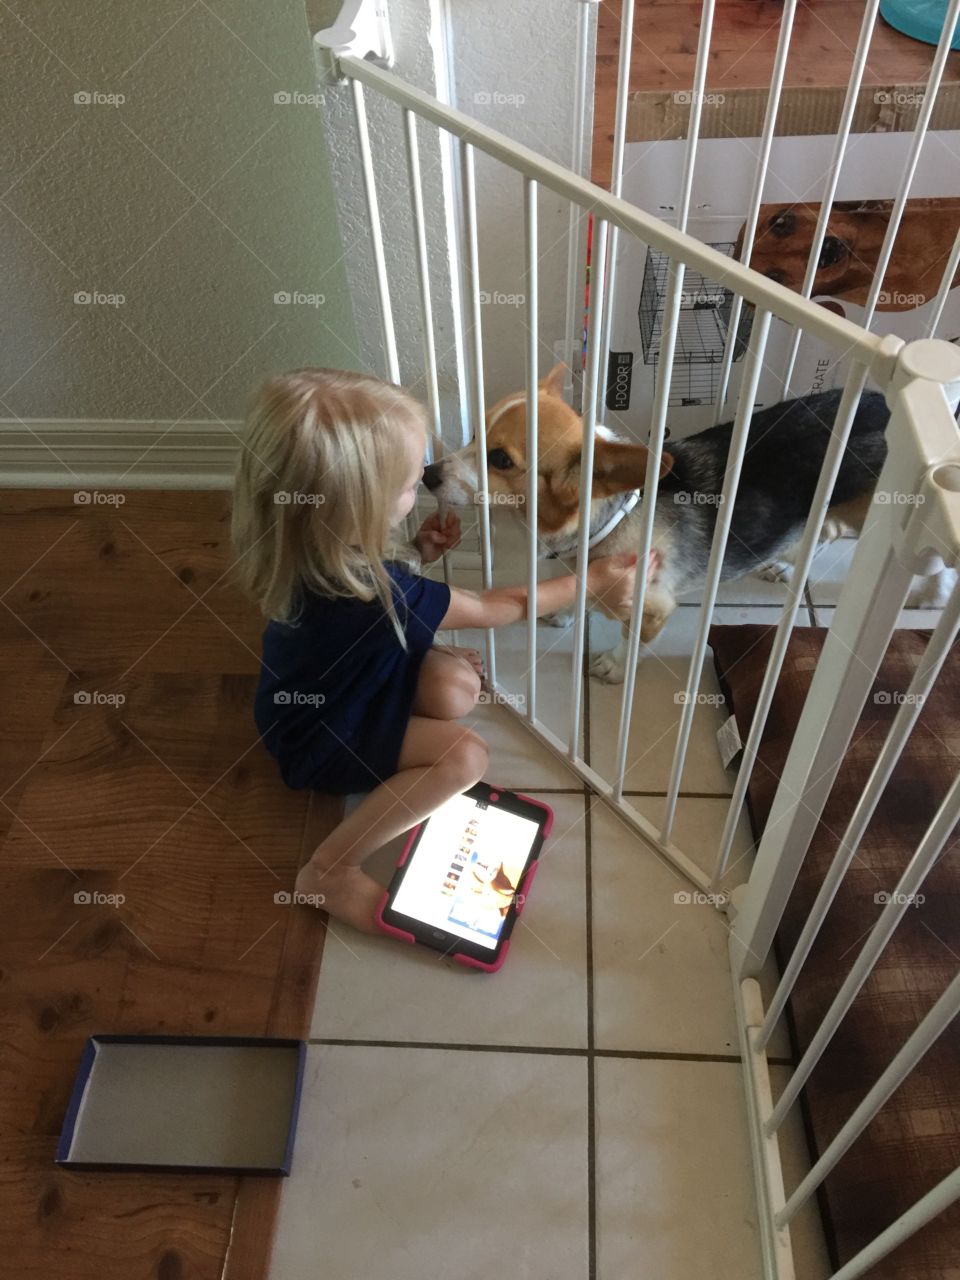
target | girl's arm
x=610, y=579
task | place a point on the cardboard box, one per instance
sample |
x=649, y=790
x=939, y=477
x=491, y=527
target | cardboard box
x=723, y=181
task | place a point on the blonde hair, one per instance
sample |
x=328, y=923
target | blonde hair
x=322, y=465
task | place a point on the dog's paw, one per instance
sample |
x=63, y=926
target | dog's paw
x=776, y=571
x=933, y=591
x=608, y=667
x=558, y=619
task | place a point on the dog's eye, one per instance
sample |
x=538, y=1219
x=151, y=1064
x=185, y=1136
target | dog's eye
x=832, y=252
x=783, y=224
x=499, y=459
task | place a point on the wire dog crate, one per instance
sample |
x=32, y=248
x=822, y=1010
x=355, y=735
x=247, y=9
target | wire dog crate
x=705, y=310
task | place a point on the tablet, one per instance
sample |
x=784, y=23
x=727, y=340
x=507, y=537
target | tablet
x=465, y=873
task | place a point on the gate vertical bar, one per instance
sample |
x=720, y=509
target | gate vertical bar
x=414, y=178
x=907, y=715
x=376, y=234
x=833, y=175
x=531, y=282
x=760, y=177
x=574, y=296
x=916, y=143
x=724, y=518
x=616, y=185
x=664, y=376
x=475, y=349
x=872, y=596
x=806, y=551
x=597, y=286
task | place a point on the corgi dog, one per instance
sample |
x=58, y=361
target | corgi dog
x=786, y=445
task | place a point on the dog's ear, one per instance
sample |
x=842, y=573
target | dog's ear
x=618, y=467
x=552, y=384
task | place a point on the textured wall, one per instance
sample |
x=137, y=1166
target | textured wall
x=198, y=199
x=515, y=71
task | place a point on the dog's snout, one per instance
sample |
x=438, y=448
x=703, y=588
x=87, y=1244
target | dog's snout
x=433, y=475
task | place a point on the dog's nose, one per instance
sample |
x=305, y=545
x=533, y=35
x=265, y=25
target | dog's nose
x=432, y=476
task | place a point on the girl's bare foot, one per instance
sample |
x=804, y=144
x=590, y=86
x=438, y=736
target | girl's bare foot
x=470, y=656
x=347, y=893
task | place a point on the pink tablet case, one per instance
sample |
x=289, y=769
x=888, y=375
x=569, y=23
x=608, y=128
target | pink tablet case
x=522, y=892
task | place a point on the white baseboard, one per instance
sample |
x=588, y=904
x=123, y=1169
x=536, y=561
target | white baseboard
x=82, y=453
x=90, y=454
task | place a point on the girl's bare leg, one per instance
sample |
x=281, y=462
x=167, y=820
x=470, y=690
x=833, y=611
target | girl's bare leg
x=448, y=684
x=438, y=760
x=466, y=657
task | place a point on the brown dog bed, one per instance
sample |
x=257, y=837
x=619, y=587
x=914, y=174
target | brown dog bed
x=914, y=1141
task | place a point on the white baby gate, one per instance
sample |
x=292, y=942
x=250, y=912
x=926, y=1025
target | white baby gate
x=921, y=382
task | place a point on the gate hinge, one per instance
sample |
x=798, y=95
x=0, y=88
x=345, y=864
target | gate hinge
x=362, y=29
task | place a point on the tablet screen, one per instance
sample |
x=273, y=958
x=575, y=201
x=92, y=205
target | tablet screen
x=465, y=871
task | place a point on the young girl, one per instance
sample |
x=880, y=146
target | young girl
x=353, y=695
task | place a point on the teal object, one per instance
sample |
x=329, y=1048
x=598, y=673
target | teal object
x=920, y=19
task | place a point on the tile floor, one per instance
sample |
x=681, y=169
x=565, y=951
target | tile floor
x=580, y=1114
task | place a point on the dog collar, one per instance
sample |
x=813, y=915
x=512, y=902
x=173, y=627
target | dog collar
x=627, y=502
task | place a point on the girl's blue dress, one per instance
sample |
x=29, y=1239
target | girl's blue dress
x=336, y=688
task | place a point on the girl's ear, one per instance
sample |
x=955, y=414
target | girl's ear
x=552, y=384
x=618, y=467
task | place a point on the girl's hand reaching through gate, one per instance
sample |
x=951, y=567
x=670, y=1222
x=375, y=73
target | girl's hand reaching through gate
x=436, y=535
x=610, y=585
x=612, y=580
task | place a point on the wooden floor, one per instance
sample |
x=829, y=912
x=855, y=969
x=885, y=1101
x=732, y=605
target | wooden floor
x=742, y=46
x=168, y=798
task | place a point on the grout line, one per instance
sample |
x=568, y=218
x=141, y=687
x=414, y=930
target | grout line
x=811, y=608
x=591, y=1044
x=586, y=692
x=687, y=795
x=735, y=604
x=549, y=791
x=550, y=1051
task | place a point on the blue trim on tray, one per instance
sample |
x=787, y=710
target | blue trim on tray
x=295, y=1109
x=87, y=1059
